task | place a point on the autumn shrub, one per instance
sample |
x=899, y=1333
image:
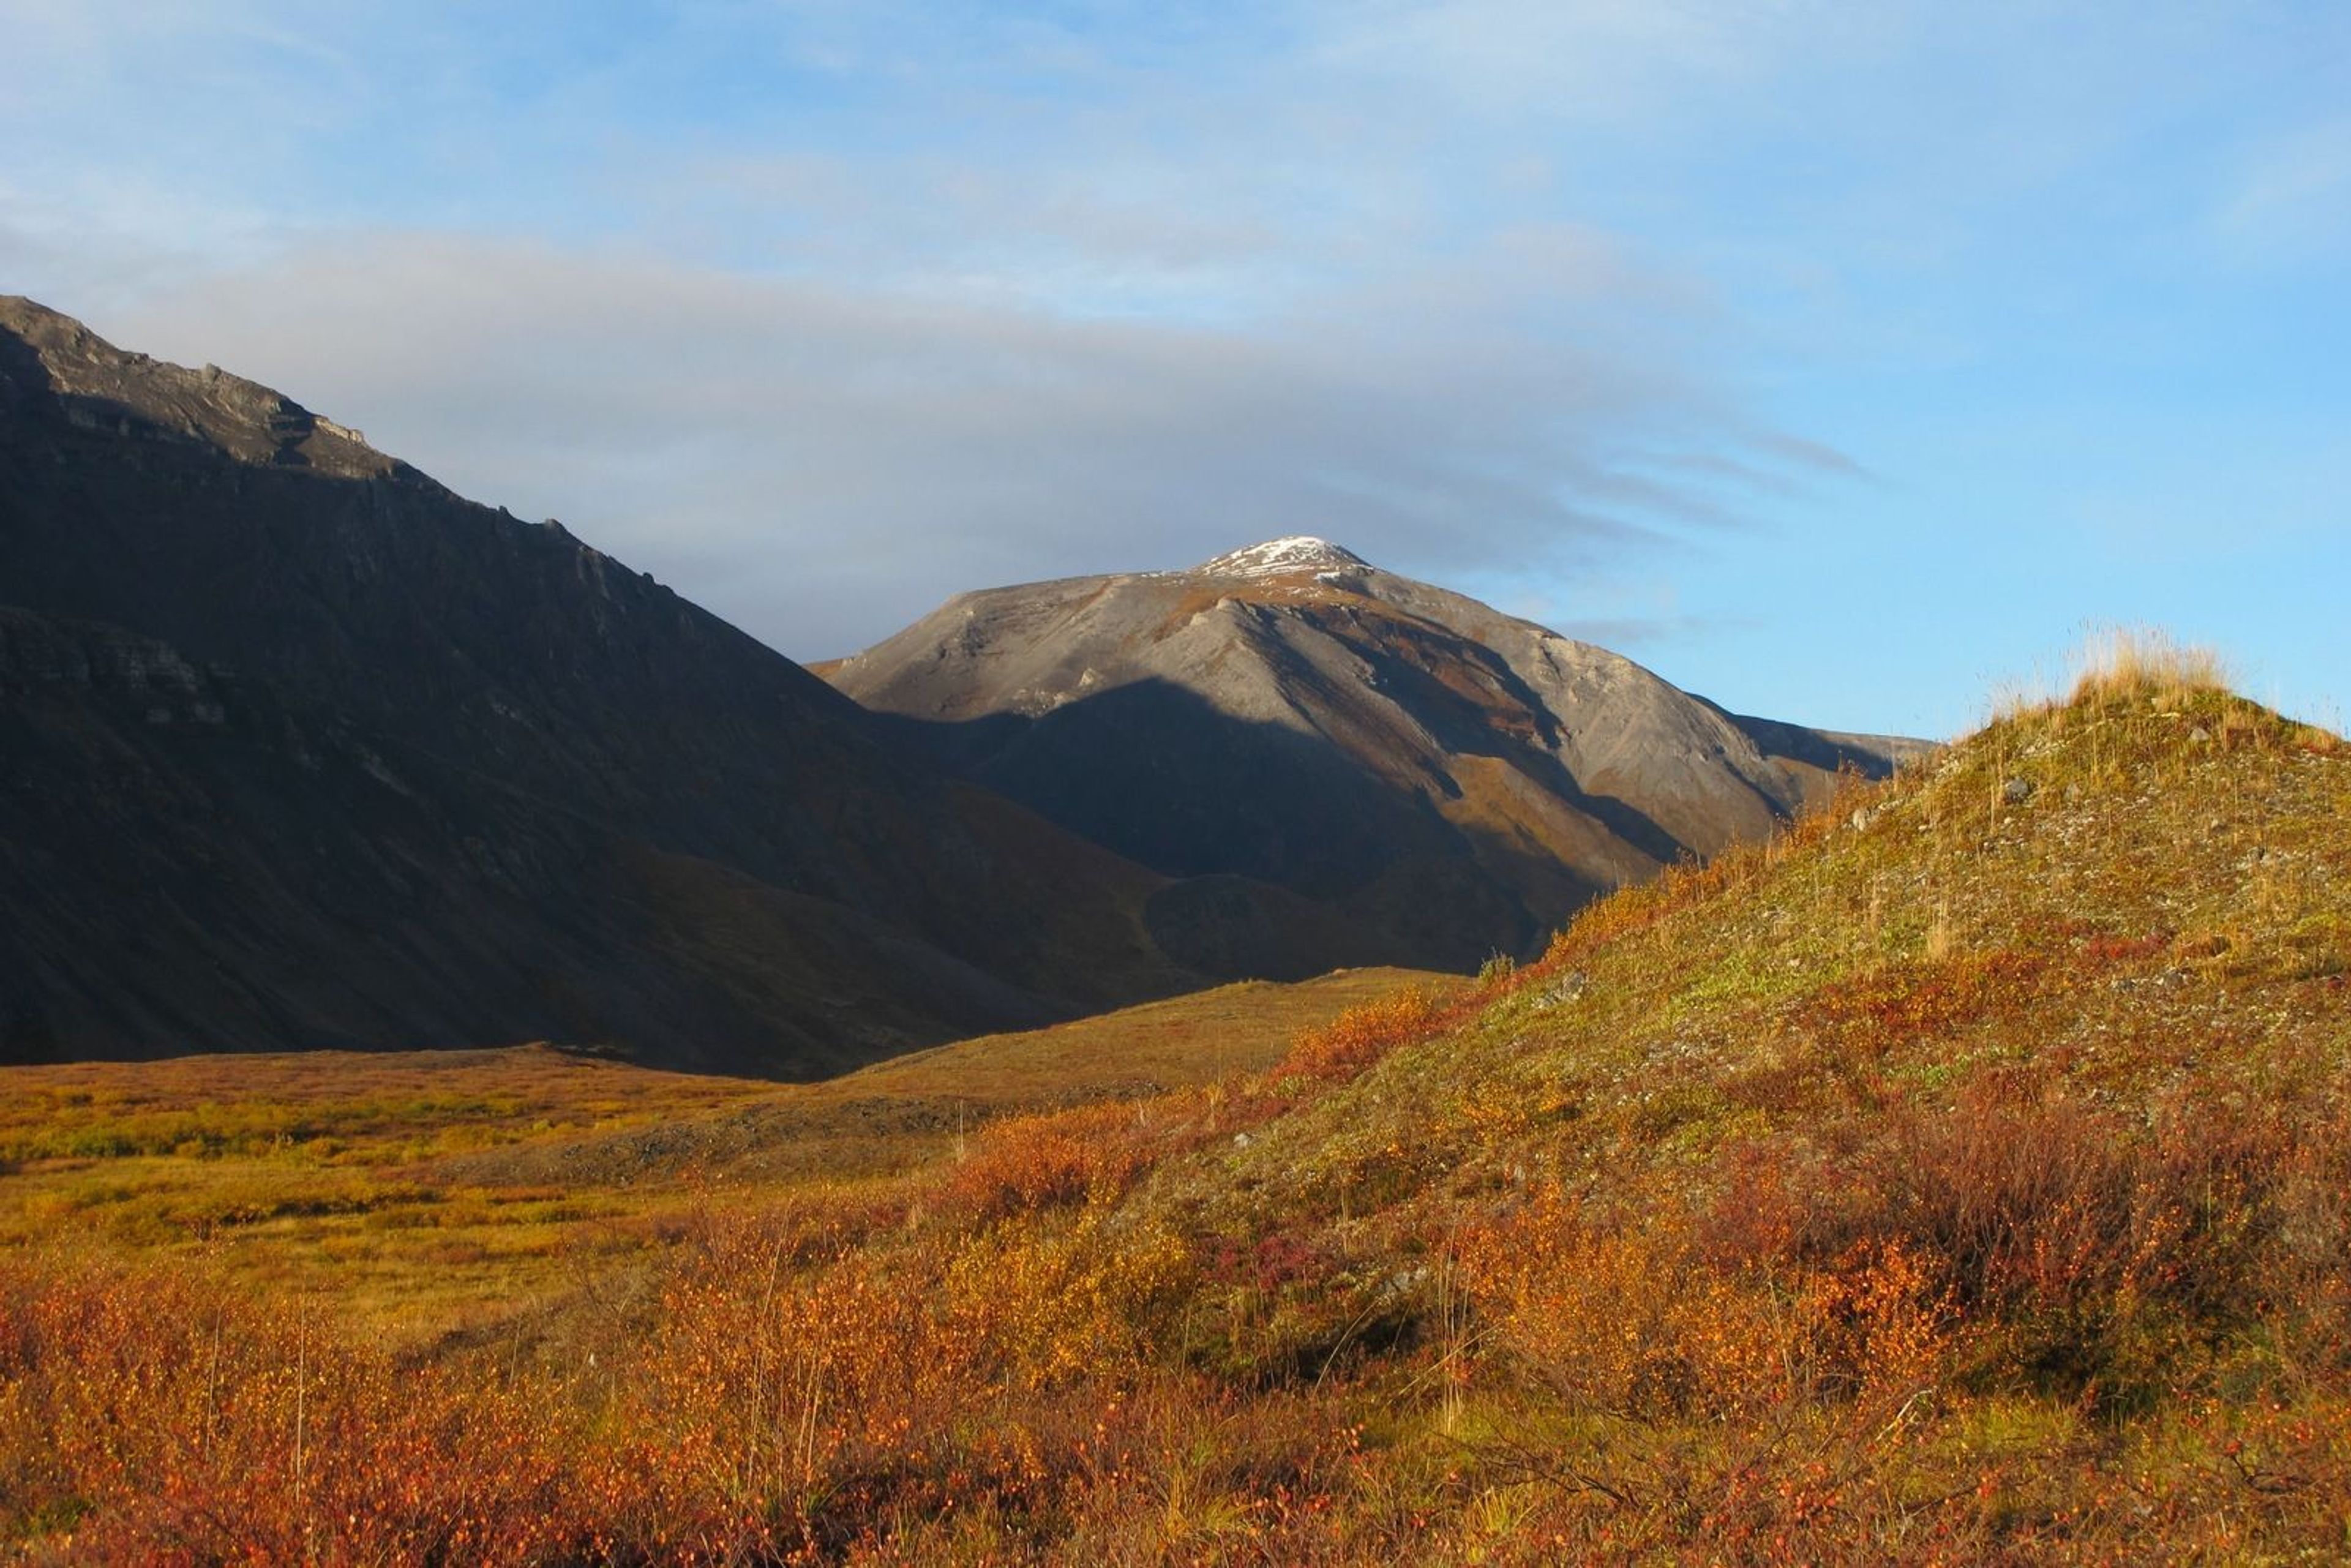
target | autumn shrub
x=1025, y=1163
x=789, y=1401
x=2314, y=1272
x=151, y=1417
x=2111, y=1256
x=1639, y=1322
x=780, y=1397
x=1354, y=1040
x=1075, y=1302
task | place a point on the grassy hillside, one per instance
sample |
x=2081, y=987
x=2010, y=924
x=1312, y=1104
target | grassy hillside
x=1964, y=1176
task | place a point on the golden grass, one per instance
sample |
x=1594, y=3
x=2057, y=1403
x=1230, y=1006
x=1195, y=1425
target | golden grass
x=2124, y=662
x=428, y=1193
x=2144, y=664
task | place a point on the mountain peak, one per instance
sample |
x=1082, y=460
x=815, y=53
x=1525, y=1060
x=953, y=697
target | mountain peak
x=1298, y=552
x=1437, y=780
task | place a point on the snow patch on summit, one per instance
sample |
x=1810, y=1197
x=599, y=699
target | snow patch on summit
x=1299, y=552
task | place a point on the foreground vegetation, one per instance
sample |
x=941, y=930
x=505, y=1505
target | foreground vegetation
x=1965, y=1176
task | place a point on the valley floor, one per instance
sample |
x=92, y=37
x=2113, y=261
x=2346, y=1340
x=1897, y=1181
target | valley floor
x=419, y=1194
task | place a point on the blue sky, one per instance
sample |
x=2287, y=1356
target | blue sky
x=1841, y=362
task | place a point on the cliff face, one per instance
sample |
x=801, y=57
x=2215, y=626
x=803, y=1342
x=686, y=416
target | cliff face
x=1461, y=779
x=307, y=750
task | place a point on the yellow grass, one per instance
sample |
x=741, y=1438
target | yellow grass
x=2145, y=661
x=435, y=1192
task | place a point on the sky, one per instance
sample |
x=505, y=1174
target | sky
x=1845, y=363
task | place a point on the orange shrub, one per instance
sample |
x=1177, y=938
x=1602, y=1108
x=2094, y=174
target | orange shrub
x=1351, y=1042
x=1638, y=1324
x=150, y=1417
x=2041, y=1204
x=1065, y=1303
x=1026, y=1163
x=773, y=1402
x=2086, y=1250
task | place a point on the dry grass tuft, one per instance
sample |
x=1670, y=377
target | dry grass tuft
x=2125, y=661
x=2113, y=663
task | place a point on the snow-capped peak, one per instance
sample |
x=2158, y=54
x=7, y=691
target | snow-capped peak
x=1299, y=552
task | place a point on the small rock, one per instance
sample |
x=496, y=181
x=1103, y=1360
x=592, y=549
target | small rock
x=2199, y=734
x=1242, y=1140
x=2016, y=791
x=1566, y=989
x=1401, y=1280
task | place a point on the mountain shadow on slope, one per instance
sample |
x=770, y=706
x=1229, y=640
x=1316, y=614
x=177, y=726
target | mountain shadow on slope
x=1159, y=774
x=1457, y=780
x=306, y=749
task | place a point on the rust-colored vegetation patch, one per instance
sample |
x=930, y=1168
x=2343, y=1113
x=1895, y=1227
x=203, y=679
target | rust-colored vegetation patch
x=1359, y=1037
x=1908, y=1001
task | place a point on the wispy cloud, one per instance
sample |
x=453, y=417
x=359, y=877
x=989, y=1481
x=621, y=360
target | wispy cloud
x=820, y=461
x=2292, y=202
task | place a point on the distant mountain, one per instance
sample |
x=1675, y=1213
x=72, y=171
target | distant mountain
x=1454, y=780
x=299, y=748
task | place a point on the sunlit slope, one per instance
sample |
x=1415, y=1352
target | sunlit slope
x=2120, y=902
x=1961, y=1175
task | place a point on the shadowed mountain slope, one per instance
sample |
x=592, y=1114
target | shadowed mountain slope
x=1461, y=779
x=303, y=750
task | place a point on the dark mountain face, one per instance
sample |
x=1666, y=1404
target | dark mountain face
x=302, y=750
x=1458, y=778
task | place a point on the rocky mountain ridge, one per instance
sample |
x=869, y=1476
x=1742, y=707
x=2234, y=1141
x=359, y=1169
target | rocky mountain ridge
x=303, y=750
x=1459, y=779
